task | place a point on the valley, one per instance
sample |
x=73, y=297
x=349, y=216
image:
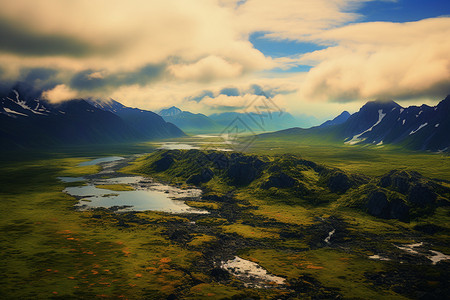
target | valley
x=321, y=244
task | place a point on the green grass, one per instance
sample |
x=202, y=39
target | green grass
x=50, y=250
x=115, y=187
x=368, y=160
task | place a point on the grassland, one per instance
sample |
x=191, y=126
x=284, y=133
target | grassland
x=49, y=250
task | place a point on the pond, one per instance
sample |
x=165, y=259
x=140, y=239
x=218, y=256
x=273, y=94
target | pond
x=146, y=194
x=100, y=160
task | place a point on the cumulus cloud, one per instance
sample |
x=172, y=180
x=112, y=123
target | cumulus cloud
x=152, y=53
x=294, y=19
x=59, y=93
x=381, y=60
x=207, y=69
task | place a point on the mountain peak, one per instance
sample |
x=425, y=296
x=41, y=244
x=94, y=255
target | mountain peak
x=380, y=104
x=168, y=112
x=337, y=120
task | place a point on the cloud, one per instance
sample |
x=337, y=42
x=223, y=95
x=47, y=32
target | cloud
x=21, y=40
x=153, y=53
x=381, y=60
x=199, y=96
x=294, y=19
x=101, y=80
x=197, y=38
x=207, y=69
x=59, y=93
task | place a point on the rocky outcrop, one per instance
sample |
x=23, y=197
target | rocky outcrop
x=421, y=195
x=163, y=164
x=205, y=175
x=280, y=180
x=400, y=181
x=339, y=182
x=379, y=206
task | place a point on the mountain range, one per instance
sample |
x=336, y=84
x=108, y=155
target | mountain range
x=190, y=122
x=215, y=123
x=27, y=120
x=383, y=122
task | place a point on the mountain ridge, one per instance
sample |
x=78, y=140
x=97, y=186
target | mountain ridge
x=422, y=127
x=29, y=121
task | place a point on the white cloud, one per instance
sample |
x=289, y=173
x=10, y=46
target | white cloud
x=207, y=69
x=381, y=60
x=59, y=93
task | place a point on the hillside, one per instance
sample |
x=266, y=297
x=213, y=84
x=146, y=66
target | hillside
x=399, y=194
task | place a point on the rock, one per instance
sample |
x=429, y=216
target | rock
x=220, y=274
x=244, y=169
x=399, y=181
x=280, y=180
x=378, y=205
x=163, y=164
x=220, y=160
x=421, y=195
x=204, y=176
x=339, y=182
x=398, y=209
x=241, y=173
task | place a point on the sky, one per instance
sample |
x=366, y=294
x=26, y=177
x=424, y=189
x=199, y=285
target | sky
x=314, y=57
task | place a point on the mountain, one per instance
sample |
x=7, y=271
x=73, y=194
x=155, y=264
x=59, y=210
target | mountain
x=170, y=112
x=380, y=122
x=259, y=122
x=27, y=120
x=146, y=123
x=338, y=120
x=190, y=122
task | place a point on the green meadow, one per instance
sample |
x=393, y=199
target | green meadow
x=51, y=251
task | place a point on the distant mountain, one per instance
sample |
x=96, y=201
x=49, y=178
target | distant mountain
x=190, y=122
x=342, y=118
x=170, y=112
x=260, y=122
x=380, y=122
x=146, y=123
x=26, y=120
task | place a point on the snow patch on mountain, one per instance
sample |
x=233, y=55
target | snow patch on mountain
x=10, y=111
x=356, y=138
x=420, y=127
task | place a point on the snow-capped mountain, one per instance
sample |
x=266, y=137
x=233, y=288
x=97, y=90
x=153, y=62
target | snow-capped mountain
x=27, y=120
x=379, y=122
x=416, y=127
x=146, y=122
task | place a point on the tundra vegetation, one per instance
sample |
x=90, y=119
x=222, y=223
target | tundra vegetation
x=333, y=224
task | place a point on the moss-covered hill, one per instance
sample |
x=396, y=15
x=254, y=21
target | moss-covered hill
x=399, y=194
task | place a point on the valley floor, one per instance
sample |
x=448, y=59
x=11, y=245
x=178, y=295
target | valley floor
x=50, y=250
